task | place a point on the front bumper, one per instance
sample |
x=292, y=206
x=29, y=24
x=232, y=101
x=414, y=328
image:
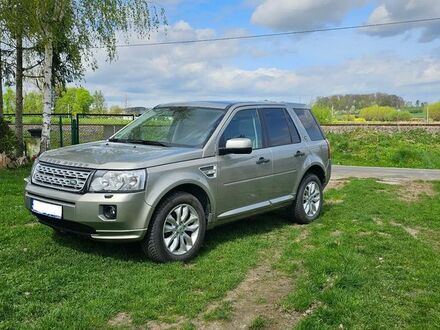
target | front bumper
x=82, y=213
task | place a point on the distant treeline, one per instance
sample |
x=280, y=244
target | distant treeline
x=352, y=103
x=69, y=100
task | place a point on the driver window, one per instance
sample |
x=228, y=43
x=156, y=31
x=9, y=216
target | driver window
x=244, y=124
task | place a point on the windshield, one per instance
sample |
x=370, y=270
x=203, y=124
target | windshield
x=172, y=126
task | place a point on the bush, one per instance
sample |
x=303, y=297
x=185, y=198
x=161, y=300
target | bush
x=400, y=116
x=322, y=113
x=7, y=138
x=377, y=113
x=434, y=111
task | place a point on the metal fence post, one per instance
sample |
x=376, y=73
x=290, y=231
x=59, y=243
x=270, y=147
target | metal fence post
x=77, y=128
x=74, y=130
x=61, y=131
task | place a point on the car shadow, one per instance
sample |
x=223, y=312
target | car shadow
x=255, y=225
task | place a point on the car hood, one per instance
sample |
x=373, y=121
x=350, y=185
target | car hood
x=109, y=155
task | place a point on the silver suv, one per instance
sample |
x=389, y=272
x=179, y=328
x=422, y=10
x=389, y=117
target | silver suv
x=183, y=168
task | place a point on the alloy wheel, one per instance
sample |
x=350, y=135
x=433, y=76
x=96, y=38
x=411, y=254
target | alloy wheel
x=181, y=229
x=311, y=199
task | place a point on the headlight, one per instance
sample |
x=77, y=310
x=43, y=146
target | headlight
x=118, y=181
x=33, y=169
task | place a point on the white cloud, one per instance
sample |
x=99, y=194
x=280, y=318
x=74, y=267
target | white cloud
x=392, y=10
x=152, y=75
x=284, y=15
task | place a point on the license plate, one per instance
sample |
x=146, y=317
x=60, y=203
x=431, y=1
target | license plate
x=50, y=210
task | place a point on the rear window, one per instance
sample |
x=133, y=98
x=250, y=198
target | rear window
x=310, y=124
x=278, y=132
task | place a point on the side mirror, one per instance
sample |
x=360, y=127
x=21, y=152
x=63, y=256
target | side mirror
x=237, y=146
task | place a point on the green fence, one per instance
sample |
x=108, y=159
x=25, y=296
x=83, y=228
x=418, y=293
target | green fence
x=68, y=129
x=95, y=127
x=61, y=131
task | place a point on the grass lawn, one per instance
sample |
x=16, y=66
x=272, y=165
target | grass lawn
x=412, y=149
x=372, y=261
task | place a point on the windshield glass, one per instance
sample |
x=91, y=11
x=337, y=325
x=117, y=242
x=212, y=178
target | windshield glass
x=172, y=126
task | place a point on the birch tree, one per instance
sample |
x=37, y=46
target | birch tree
x=15, y=18
x=85, y=25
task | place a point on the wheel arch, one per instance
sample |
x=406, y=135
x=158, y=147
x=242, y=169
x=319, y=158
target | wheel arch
x=319, y=171
x=192, y=188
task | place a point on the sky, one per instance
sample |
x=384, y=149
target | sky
x=403, y=60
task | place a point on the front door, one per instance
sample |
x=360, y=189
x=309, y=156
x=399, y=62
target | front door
x=245, y=181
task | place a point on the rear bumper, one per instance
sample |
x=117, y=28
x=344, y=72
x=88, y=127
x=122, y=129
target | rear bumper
x=328, y=173
x=82, y=214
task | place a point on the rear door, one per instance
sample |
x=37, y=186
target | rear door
x=288, y=151
x=244, y=180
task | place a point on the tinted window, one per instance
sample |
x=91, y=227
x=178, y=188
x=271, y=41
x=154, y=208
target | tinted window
x=310, y=124
x=277, y=127
x=293, y=130
x=245, y=124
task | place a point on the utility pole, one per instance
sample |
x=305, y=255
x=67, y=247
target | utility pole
x=427, y=113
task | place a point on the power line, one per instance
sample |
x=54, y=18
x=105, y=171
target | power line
x=279, y=34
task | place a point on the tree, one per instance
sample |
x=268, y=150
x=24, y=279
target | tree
x=33, y=102
x=345, y=103
x=74, y=100
x=2, y=36
x=86, y=24
x=98, y=104
x=9, y=101
x=434, y=111
x=115, y=109
x=322, y=113
x=17, y=20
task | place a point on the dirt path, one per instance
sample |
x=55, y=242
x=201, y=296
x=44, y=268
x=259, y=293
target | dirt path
x=256, y=299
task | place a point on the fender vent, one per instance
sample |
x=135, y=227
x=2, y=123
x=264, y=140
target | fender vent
x=210, y=171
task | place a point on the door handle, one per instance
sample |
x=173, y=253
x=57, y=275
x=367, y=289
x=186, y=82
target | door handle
x=299, y=154
x=262, y=160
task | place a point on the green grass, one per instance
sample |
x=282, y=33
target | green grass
x=259, y=323
x=413, y=149
x=49, y=281
x=357, y=266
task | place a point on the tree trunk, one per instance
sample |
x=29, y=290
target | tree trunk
x=19, y=96
x=1, y=85
x=47, y=95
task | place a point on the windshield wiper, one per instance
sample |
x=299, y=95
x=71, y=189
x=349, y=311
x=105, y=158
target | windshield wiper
x=139, y=141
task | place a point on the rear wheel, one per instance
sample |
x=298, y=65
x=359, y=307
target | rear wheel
x=177, y=229
x=308, y=204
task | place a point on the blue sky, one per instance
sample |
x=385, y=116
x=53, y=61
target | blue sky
x=403, y=60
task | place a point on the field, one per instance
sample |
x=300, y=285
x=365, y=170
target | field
x=413, y=149
x=375, y=266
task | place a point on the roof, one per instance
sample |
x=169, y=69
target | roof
x=228, y=104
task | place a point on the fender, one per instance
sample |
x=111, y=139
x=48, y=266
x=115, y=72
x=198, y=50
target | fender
x=161, y=183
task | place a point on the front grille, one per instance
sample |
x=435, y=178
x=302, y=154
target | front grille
x=67, y=179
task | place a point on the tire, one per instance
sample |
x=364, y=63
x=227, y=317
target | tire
x=174, y=234
x=301, y=213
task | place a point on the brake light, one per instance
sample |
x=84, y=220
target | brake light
x=329, y=152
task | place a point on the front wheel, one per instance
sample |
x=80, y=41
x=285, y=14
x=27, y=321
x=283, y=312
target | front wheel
x=308, y=204
x=177, y=229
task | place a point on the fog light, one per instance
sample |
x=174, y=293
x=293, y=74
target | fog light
x=110, y=211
